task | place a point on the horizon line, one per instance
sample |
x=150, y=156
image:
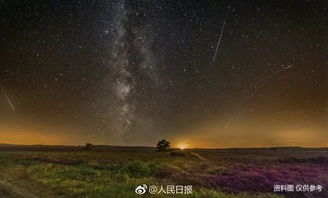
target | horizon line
x=175, y=147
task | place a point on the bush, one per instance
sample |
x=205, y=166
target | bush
x=88, y=146
x=163, y=145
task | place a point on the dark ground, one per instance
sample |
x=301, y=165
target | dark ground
x=107, y=171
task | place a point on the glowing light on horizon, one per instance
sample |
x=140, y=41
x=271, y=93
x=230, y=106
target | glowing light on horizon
x=182, y=146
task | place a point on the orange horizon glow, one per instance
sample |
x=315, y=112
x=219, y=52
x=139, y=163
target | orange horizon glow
x=182, y=145
x=237, y=136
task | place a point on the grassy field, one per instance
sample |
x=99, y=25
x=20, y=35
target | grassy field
x=110, y=172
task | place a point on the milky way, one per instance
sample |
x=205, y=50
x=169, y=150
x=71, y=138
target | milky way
x=132, y=68
x=203, y=72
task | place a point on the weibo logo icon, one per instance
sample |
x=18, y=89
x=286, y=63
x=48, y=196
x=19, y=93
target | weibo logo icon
x=140, y=190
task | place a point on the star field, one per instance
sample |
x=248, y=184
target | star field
x=133, y=72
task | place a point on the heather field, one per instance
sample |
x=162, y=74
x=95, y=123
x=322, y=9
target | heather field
x=105, y=172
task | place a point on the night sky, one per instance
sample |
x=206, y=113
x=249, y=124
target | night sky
x=204, y=73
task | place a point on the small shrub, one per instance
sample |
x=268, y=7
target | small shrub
x=88, y=146
x=163, y=145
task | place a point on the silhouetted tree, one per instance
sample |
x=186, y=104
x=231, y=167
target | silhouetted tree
x=163, y=145
x=88, y=146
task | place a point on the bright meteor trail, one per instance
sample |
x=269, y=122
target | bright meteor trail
x=133, y=72
x=277, y=72
x=8, y=99
x=218, y=45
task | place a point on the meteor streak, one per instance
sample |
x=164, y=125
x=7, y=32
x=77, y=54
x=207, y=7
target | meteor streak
x=8, y=99
x=218, y=45
x=277, y=72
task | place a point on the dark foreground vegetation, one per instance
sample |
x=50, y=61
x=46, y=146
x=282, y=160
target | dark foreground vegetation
x=106, y=172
